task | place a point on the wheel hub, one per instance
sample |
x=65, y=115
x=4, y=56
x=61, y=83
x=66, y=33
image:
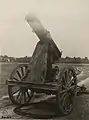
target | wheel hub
x=23, y=89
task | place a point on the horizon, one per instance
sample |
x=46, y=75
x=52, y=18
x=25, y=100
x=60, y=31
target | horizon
x=31, y=56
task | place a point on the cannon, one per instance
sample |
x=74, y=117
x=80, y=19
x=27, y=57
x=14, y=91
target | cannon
x=39, y=76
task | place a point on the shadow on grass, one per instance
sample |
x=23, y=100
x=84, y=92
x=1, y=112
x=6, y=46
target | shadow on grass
x=39, y=110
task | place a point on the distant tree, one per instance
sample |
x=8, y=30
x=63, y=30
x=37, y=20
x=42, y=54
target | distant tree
x=5, y=56
x=67, y=57
x=86, y=58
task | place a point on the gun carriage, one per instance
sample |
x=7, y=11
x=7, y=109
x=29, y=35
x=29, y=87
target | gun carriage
x=40, y=77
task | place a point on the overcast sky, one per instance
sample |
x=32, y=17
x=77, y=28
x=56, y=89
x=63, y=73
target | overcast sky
x=67, y=20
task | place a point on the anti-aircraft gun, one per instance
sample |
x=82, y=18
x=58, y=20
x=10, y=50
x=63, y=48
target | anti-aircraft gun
x=38, y=76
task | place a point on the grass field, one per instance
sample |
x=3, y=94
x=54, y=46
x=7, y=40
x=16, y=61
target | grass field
x=81, y=105
x=7, y=68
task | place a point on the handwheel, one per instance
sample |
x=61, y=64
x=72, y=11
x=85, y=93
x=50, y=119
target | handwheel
x=19, y=95
x=66, y=92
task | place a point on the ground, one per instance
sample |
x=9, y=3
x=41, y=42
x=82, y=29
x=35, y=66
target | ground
x=81, y=104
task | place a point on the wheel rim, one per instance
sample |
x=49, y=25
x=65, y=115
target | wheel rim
x=68, y=87
x=65, y=103
x=19, y=95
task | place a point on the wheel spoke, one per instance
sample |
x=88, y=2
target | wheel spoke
x=21, y=96
x=69, y=101
x=63, y=86
x=70, y=79
x=66, y=73
x=63, y=78
x=18, y=74
x=27, y=97
x=24, y=97
x=62, y=92
x=66, y=104
x=28, y=94
x=71, y=82
x=18, y=95
x=70, y=74
x=26, y=69
x=62, y=102
x=16, y=91
x=62, y=96
x=66, y=77
x=15, y=78
x=22, y=71
x=63, y=82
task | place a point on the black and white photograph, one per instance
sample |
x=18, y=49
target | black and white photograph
x=44, y=59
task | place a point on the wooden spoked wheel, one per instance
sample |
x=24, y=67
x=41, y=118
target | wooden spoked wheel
x=67, y=90
x=19, y=95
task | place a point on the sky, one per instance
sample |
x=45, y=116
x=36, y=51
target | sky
x=67, y=21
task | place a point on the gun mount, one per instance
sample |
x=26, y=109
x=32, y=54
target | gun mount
x=38, y=76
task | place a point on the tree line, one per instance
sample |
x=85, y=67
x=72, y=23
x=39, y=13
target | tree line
x=27, y=59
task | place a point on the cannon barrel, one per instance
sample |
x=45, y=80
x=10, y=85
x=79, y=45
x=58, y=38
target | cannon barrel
x=37, y=27
x=42, y=33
